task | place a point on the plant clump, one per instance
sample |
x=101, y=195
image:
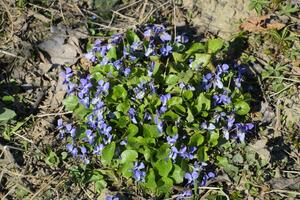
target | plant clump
x=153, y=110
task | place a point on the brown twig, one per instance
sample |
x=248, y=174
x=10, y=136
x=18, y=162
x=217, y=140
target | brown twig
x=11, y=20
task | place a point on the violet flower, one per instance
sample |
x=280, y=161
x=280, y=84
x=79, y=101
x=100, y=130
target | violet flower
x=138, y=174
x=71, y=149
x=131, y=113
x=206, y=177
x=165, y=37
x=166, y=50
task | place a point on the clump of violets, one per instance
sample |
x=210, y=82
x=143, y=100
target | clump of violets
x=153, y=109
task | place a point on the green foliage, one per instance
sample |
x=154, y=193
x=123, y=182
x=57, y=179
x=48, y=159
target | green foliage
x=6, y=114
x=154, y=124
x=258, y=5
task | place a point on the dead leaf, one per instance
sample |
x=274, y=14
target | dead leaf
x=258, y=24
x=61, y=49
x=281, y=183
x=260, y=148
x=275, y=25
x=296, y=67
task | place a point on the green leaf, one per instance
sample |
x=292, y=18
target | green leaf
x=188, y=94
x=170, y=115
x=6, y=114
x=172, y=79
x=190, y=117
x=132, y=130
x=202, y=103
x=179, y=109
x=112, y=53
x=163, y=167
x=196, y=47
x=150, y=131
x=108, y=153
x=8, y=98
x=201, y=60
x=178, y=57
x=215, y=45
x=132, y=37
x=52, y=159
x=213, y=138
x=175, y=101
x=178, y=174
x=126, y=169
x=150, y=180
x=202, y=154
x=196, y=139
x=128, y=156
x=163, y=152
x=242, y=108
x=100, y=185
x=165, y=185
x=71, y=102
x=119, y=92
x=81, y=111
x=123, y=107
x=186, y=76
x=229, y=168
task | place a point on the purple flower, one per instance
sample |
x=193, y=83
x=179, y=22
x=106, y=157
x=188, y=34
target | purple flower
x=104, y=61
x=71, y=149
x=60, y=123
x=209, y=127
x=166, y=50
x=164, y=99
x=164, y=36
x=71, y=130
x=97, y=45
x=222, y=99
x=206, y=81
x=98, y=149
x=135, y=46
x=222, y=69
x=67, y=75
x=71, y=88
x=230, y=121
x=158, y=29
x=106, y=129
x=147, y=116
x=138, y=174
x=90, y=56
x=131, y=113
x=85, y=85
x=108, y=138
x=191, y=177
x=149, y=51
x=181, y=85
x=184, y=195
x=148, y=33
x=127, y=71
x=117, y=64
x=158, y=123
x=102, y=87
x=172, y=140
x=89, y=136
x=226, y=133
x=206, y=177
x=182, y=39
x=217, y=82
x=108, y=197
x=116, y=38
x=83, y=150
x=242, y=129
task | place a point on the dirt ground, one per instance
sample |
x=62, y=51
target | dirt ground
x=37, y=38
